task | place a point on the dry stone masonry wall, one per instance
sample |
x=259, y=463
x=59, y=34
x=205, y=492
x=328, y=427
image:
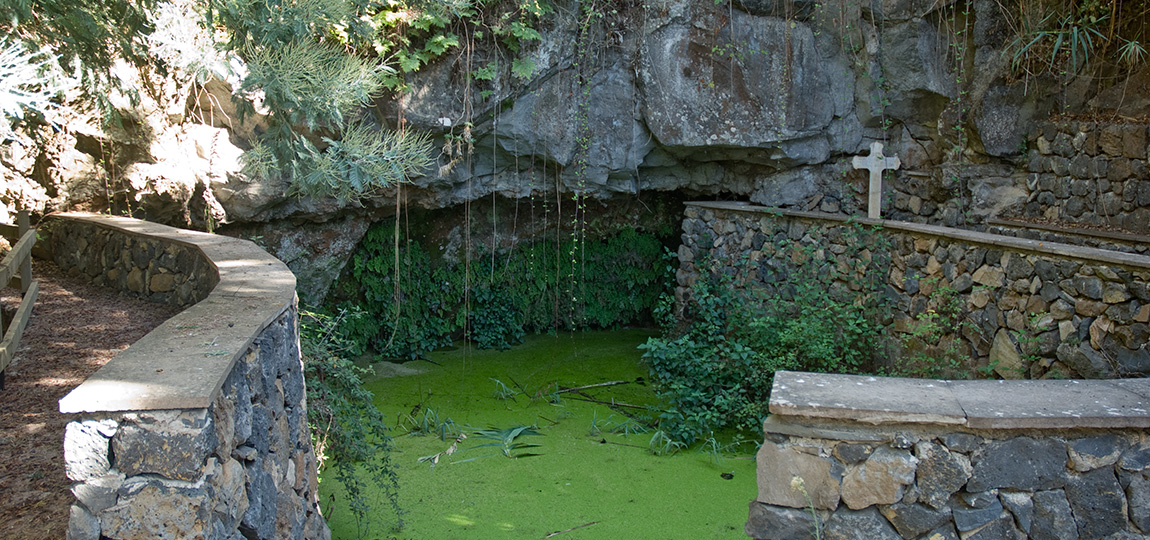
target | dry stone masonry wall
x=1090, y=173
x=145, y=267
x=1029, y=309
x=198, y=430
x=864, y=458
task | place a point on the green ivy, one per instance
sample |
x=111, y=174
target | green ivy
x=715, y=362
x=348, y=433
x=496, y=301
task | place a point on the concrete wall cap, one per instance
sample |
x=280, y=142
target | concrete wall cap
x=183, y=363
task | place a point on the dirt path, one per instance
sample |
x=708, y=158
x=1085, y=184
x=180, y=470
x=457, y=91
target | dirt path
x=75, y=328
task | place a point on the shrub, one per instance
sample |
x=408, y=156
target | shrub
x=714, y=365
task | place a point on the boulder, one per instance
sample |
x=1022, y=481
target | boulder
x=740, y=97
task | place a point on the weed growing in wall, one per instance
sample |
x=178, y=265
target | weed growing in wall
x=933, y=347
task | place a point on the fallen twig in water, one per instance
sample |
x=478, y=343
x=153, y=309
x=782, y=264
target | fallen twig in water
x=557, y=533
x=611, y=403
x=578, y=388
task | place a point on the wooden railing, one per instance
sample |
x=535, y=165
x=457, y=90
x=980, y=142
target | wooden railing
x=16, y=270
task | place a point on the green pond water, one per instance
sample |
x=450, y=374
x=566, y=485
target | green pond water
x=584, y=479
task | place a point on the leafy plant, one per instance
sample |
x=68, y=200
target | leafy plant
x=503, y=392
x=316, y=91
x=715, y=362
x=798, y=484
x=506, y=440
x=629, y=426
x=348, y=432
x=496, y=301
x=89, y=34
x=933, y=347
x=29, y=81
x=429, y=423
x=662, y=444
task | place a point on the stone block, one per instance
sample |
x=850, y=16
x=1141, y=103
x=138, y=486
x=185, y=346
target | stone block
x=1134, y=142
x=155, y=509
x=1082, y=166
x=940, y=472
x=912, y=520
x=1002, y=527
x=162, y=282
x=1136, y=458
x=779, y=465
x=1115, y=293
x=1065, y=330
x=1090, y=308
x=99, y=493
x=962, y=442
x=865, y=524
x=86, y=446
x=1052, y=517
x=188, y=437
x=1004, y=356
x=767, y=522
x=1143, y=314
x=1021, y=463
x=261, y=489
x=1138, y=500
x=1098, y=503
x=990, y=276
x=135, y=281
x=946, y=532
x=1089, y=453
x=1020, y=504
x=82, y=525
x=980, y=297
x=878, y=480
x=227, y=481
x=1133, y=363
x=1083, y=359
x=967, y=518
x=1110, y=140
x=852, y=453
x=1019, y=268
x=963, y=283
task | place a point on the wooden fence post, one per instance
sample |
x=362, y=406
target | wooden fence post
x=26, y=267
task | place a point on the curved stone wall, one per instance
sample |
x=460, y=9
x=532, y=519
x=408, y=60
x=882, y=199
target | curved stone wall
x=199, y=429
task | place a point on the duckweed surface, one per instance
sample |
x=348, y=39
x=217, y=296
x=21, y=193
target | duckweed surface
x=588, y=474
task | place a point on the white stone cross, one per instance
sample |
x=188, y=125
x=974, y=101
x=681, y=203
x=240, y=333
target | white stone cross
x=876, y=163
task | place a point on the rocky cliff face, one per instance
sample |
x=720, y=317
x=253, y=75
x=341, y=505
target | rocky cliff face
x=751, y=99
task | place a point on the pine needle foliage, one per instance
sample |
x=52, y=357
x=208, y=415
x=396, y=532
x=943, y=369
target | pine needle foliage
x=29, y=82
x=89, y=35
x=304, y=71
x=352, y=166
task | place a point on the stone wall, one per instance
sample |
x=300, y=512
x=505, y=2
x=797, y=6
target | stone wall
x=1090, y=173
x=1061, y=234
x=1028, y=309
x=142, y=266
x=873, y=459
x=199, y=429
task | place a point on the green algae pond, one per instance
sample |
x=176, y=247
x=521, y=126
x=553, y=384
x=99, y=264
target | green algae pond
x=580, y=467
